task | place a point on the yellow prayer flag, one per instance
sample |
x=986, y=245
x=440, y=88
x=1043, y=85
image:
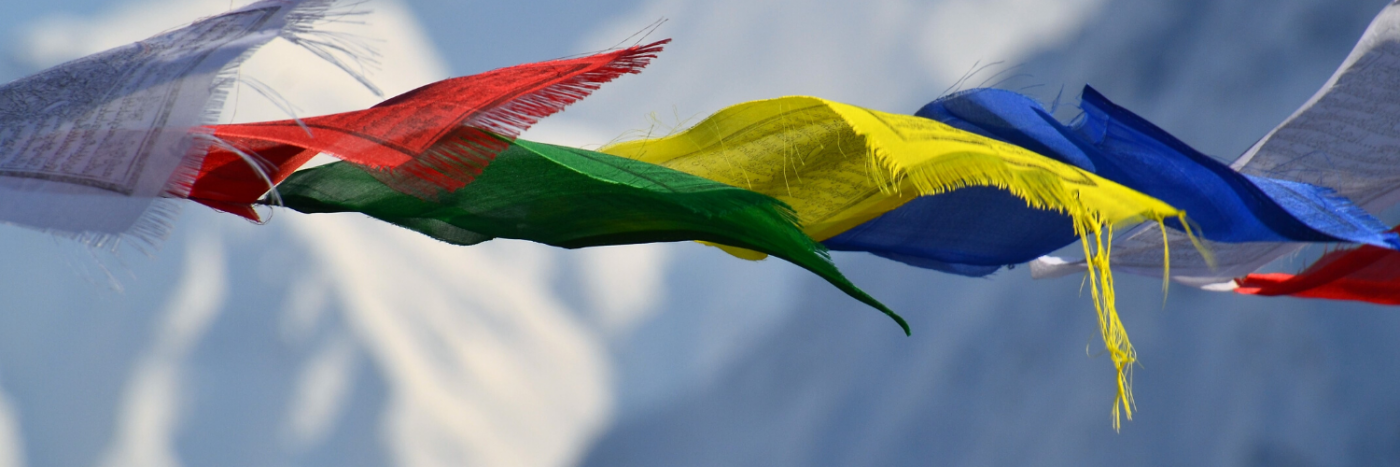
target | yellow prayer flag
x=839, y=165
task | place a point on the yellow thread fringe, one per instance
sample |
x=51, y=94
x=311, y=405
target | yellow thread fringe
x=1040, y=184
x=1195, y=241
x=1115, y=337
x=1166, y=261
x=1043, y=192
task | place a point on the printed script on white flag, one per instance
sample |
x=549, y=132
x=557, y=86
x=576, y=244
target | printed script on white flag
x=1347, y=137
x=89, y=148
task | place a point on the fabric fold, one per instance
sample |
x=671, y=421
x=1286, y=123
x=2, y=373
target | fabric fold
x=1341, y=139
x=573, y=198
x=977, y=230
x=1366, y=274
x=1225, y=205
x=973, y=232
x=424, y=142
x=839, y=166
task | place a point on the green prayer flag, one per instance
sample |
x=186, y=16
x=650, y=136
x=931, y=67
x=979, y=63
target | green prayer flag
x=574, y=198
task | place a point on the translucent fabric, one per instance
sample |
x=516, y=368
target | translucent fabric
x=432, y=139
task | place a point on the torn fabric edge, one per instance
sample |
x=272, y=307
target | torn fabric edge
x=401, y=140
x=1366, y=274
x=975, y=231
x=574, y=198
x=92, y=149
x=839, y=166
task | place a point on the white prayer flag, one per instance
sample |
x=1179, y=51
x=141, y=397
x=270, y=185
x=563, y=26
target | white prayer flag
x=89, y=148
x=1347, y=137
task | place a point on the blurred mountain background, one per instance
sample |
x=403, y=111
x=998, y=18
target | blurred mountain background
x=335, y=340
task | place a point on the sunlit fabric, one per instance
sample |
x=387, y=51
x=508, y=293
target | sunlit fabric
x=957, y=232
x=975, y=231
x=574, y=198
x=401, y=140
x=1367, y=274
x=839, y=166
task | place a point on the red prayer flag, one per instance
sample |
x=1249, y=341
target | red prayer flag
x=1368, y=274
x=396, y=139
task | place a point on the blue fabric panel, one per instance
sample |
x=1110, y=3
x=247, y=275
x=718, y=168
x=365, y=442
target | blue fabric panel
x=1323, y=209
x=1224, y=205
x=1011, y=117
x=973, y=231
x=982, y=227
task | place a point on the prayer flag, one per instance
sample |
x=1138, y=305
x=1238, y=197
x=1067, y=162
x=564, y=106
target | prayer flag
x=1343, y=138
x=839, y=166
x=88, y=147
x=435, y=138
x=1367, y=274
x=959, y=233
x=573, y=198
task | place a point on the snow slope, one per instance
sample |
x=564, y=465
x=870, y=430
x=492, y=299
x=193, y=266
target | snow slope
x=324, y=340
x=996, y=372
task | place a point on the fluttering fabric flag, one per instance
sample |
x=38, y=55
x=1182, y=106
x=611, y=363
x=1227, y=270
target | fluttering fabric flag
x=88, y=147
x=951, y=231
x=401, y=140
x=839, y=166
x=1366, y=274
x=976, y=230
x=1343, y=138
x=574, y=198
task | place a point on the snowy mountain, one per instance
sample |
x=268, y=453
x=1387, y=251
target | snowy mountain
x=996, y=372
x=306, y=341
x=334, y=340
